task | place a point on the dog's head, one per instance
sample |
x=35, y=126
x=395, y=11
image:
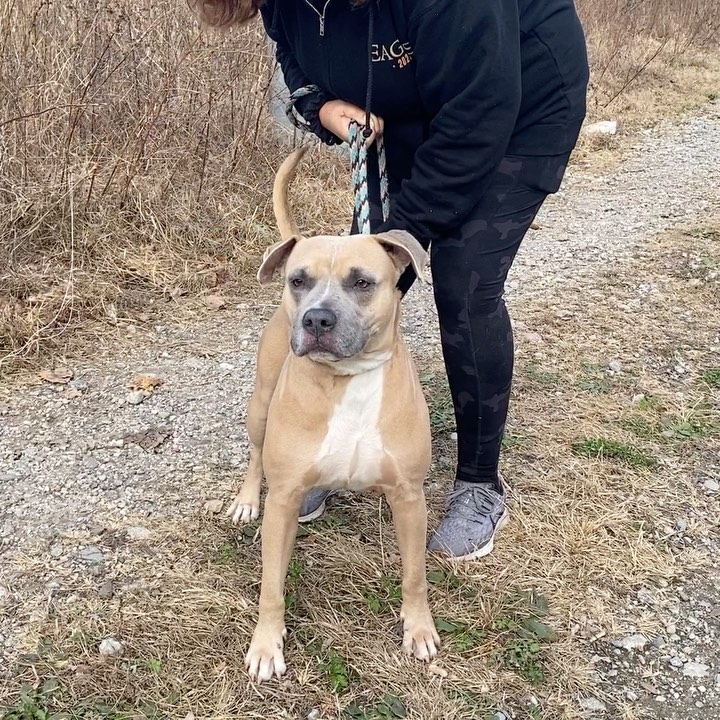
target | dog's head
x=340, y=292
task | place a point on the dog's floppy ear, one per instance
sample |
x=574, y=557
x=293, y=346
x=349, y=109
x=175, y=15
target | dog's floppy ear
x=275, y=257
x=404, y=250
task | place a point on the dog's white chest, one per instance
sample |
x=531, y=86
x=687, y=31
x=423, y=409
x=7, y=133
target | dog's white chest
x=352, y=450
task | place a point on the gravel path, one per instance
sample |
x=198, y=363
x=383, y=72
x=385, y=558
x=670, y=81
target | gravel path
x=74, y=456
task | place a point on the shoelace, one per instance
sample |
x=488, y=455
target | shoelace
x=483, y=498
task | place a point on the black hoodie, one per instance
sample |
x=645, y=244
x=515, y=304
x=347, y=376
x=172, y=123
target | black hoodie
x=459, y=83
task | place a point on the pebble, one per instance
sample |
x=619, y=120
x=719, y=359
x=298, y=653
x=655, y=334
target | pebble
x=711, y=485
x=593, y=704
x=135, y=397
x=676, y=662
x=79, y=384
x=695, y=670
x=681, y=525
x=631, y=642
x=139, y=533
x=107, y=590
x=500, y=716
x=110, y=647
x=314, y=714
x=632, y=696
x=91, y=555
x=615, y=366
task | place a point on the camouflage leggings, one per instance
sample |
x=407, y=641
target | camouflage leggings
x=469, y=269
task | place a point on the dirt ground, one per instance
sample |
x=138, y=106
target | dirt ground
x=602, y=599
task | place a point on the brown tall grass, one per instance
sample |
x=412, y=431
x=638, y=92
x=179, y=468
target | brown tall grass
x=136, y=153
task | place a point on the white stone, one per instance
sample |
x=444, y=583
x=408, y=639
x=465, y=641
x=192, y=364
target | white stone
x=110, y=647
x=695, y=670
x=604, y=127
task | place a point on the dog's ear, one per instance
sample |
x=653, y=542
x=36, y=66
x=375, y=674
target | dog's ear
x=275, y=257
x=404, y=250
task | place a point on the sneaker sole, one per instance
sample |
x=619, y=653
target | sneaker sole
x=489, y=545
x=319, y=510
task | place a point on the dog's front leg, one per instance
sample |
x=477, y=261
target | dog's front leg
x=265, y=656
x=407, y=503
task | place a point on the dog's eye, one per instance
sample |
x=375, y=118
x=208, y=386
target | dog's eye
x=297, y=282
x=362, y=284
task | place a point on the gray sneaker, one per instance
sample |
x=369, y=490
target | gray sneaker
x=314, y=504
x=475, y=513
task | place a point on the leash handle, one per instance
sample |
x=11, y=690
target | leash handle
x=359, y=173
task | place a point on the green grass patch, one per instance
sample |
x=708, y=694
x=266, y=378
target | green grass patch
x=605, y=448
x=712, y=377
x=389, y=708
x=640, y=427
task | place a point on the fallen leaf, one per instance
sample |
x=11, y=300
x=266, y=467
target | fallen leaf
x=70, y=393
x=214, y=302
x=58, y=376
x=149, y=439
x=147, y=382
x=213, y=507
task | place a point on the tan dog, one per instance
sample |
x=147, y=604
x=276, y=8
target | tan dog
x=337, y=404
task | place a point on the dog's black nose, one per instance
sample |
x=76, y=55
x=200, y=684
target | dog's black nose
x=319, y=320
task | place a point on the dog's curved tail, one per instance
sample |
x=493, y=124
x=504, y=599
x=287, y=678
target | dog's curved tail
x=281, y=205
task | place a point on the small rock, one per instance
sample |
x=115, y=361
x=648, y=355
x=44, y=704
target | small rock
x=632, y=696
x=593, y=704
x=681, y=525
x=135, y=397
x=56, y=551
x=676, y=662
x=139, y=533
x=659, y=642
x=4, y=409
x=110, y=647
x=314, y=714
x=434, y=669
x=604, y=127
x=78, y=384
x=453, y=436
x=107, y=590
x=500, y=716
x=91, y=555
x=213, y=507
x=615, y=366
x=631, y=642
x=711, y=485
x=226, y=366
x=637, y=399
x=696, y=670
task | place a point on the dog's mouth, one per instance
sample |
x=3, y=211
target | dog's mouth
x=326, y=347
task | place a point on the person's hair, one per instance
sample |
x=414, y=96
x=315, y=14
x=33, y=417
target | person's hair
x=223, y=13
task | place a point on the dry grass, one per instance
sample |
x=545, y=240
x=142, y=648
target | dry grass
x=136, y=155
x=522, y=624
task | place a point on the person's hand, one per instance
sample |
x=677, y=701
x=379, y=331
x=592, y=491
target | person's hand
x=336, y=116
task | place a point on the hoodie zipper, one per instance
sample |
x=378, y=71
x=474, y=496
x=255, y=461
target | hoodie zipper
x=321, y=15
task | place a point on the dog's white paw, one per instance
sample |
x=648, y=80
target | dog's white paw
x=243, y=511
x=265, y=657
x=420, y=638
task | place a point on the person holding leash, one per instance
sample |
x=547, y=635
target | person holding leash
x=480, y=104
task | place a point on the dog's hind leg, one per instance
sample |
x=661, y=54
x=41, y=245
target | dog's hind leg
x=272, y=350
